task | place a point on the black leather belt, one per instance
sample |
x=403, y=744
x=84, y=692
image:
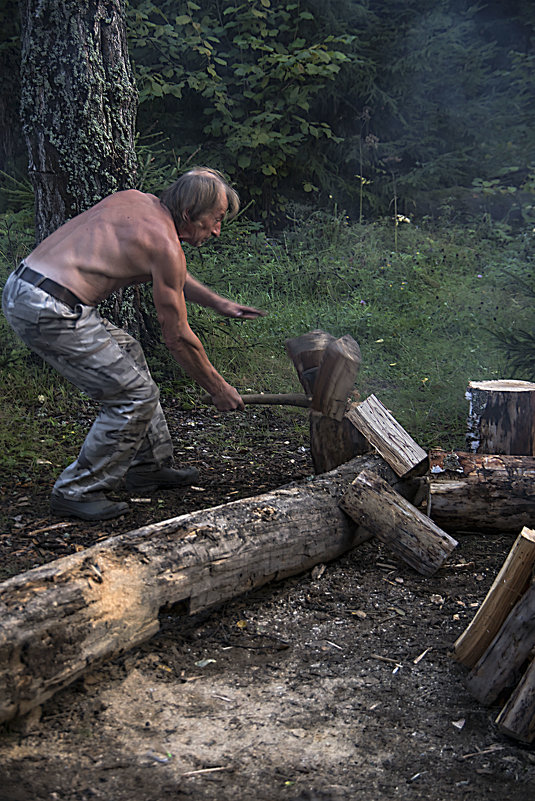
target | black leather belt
x=48, y=285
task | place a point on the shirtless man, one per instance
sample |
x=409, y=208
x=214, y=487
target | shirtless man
x=50, y=301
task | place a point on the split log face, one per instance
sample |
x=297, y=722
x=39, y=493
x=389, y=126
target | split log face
x=507, y=589
x=373, y=504
x=479, y=492
x=336, y=376
x=57, y=621
x=517, y=718
x=501, y=417
x=399, y=449
x=499, y=666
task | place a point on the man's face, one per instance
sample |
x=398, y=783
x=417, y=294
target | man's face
x=207, y=225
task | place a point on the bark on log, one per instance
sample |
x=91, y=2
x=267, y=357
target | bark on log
x=479, y=492
x=336, y=377
x=499, y=666
x=501, y=417
x=377, y=507
x=377, y=424
x=517, y=718
x=507, y=589
x=306, y=353
x=333, y=442
x=58, y=620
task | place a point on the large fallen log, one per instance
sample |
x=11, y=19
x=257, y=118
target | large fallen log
x=479, y=492
x=58, y=620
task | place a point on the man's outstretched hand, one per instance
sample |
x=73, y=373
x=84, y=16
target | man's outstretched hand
x=228, y=308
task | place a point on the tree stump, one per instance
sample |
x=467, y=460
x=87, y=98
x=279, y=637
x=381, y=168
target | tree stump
x=501, y=417
x=333, y=442
x=336, y=377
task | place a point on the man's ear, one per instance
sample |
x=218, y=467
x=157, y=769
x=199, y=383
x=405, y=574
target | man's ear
x=185, y=215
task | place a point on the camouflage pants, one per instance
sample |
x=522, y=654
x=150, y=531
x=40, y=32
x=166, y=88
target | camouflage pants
x=109, y=366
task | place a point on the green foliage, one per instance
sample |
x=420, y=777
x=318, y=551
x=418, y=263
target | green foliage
x=247, y=77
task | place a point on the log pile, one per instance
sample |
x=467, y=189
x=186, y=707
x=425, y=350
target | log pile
x=498, y=645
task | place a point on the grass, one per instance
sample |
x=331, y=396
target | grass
x=423, y=314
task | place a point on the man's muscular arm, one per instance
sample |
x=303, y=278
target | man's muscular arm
x=168, y=292
x=203, y=296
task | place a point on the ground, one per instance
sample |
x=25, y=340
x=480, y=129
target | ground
x=334, y=685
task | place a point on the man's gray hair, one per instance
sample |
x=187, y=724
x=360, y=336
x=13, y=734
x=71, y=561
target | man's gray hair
x=197, y=192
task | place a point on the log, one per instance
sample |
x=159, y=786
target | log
x=507, y=589
x=517, y=718
x=377, y=507
x=333, y=442
x=501, y=417
x=336, y=377
x=499, y=666
x=479, y=492
x=57, y=621
x=397, y=447
x=306, y=353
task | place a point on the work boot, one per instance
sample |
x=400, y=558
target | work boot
x=95, y=506
x=138, y=478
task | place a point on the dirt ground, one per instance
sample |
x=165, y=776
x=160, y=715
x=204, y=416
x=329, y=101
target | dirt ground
x=333, y=685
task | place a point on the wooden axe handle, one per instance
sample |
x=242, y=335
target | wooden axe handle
x=281, y=399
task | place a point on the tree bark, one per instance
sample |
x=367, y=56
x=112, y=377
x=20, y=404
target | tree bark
x=78, y=105
x=58, y=620
x=507, y=589
x=499, y=665
x=377, y=507
x=501, y=417
x=479, y=492
x=333, y=442
x=394, y=444
x=517, y=718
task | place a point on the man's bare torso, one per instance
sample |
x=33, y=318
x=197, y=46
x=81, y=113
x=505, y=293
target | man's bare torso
x=115, y=243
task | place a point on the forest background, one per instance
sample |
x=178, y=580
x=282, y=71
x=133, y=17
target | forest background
x=385, y=156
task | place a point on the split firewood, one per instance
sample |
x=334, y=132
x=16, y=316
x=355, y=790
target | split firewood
x=336, y=376
x=507, y=589
x=397, y=447
x=59, y=620
x=481, y=492
x=501, y=417
x=411, y=535
x=499, y=666
x=306, y=352
x=517, y=718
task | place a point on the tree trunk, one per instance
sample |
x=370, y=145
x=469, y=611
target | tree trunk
x=58, y=620
x=78, y=105
x=501, y=417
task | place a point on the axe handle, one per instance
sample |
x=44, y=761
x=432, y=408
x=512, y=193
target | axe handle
x=281, y=399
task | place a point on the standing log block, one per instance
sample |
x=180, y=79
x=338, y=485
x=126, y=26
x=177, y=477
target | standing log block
x=507, y=588
x=333, y=442
x=481, y=492
x=336, y=377
x=377, y=507
x=306, y=353
x=499, y=666
x=517, y=718
x=377, y=424
x=501, y=417
x=57, y=621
